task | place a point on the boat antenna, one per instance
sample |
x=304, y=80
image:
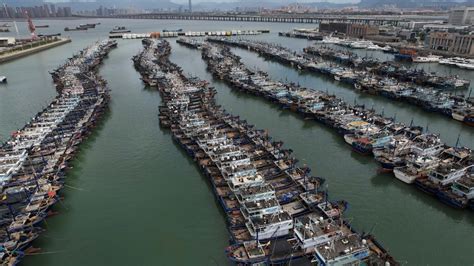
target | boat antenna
x=256, y=238
x=457, y=141
x=427, y=127
x=326, y=196
x=395, y=117
x=469, y=95
x=372, y=229
x=274, y=237
x=411, y=122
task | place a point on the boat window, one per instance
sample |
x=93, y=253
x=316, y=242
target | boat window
x=461, y=188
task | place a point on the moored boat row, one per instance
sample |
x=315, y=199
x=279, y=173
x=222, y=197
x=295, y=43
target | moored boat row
x=401, y=73
x=277, y=212
x=34, y=160
x=454, y=106
x=302, y=34
x=413, y=156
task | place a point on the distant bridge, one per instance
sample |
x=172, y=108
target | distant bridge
x=284, y=18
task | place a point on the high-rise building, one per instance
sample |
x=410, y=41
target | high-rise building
x=354, y=30
x=67, y=11
x=53, y=10
x=462, y=16
x=60, y=12
x=190, y=7
x=452, y=42
x=46, y=10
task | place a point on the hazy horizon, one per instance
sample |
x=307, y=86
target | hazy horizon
x=217, y=1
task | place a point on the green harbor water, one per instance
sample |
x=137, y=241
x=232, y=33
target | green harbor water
x=134, y=198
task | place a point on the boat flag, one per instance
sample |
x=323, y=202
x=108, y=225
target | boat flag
x=51, y=193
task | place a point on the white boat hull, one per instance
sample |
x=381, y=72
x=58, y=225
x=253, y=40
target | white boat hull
x=466, y=66
x=409, y=179
x=349, y=139
x=457, y=117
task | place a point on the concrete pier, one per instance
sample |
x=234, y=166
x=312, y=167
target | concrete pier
x=10, y=55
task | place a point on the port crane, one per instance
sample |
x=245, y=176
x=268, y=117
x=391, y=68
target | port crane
x=31, y=26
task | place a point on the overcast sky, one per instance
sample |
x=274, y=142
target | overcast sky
x=221, y=1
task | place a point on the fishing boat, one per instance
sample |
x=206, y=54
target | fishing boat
x=404, y=149
x=426, y=59
x=3, y=79
x=331, y=40
x=258, y=184
x=416, y=167
x=469, y=118
x=460, y=62
x=34, y=160
x=440, y=178
x=75, y=29
x=178, y=30
x=89, y=25
x=361, y=44
x=351, y=249
x=463, y=190
x=467, y=64
x=427, y=145
x=374, y=47
x=119, y=29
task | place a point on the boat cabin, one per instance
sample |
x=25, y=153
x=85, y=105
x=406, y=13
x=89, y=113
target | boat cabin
x=312, y=230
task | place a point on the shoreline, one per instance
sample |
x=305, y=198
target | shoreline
x=22, y=53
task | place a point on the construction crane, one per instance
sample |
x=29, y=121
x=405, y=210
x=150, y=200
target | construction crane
x=31, y=26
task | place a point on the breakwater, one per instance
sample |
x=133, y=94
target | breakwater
x=10, y=55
